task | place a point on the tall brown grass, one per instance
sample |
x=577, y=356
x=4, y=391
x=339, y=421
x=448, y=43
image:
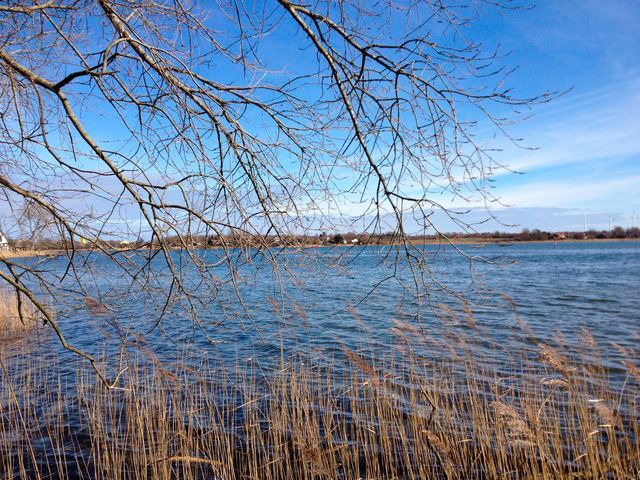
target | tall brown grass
x=31, y=253
x=462, y=412
x=17, y=321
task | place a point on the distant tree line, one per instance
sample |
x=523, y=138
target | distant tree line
x=615, y=233
x=333, y=238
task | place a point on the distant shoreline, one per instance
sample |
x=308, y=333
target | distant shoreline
x=454, y=241
x=478, y=240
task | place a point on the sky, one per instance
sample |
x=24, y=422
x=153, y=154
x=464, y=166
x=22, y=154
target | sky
x=583, y=155
x=579, y=161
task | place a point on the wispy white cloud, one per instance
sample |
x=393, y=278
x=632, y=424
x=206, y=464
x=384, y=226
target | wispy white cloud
x=586, y=127
x=566, y=193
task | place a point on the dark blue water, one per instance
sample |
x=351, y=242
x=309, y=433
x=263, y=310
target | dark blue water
x=320, y=300
x=248, y=314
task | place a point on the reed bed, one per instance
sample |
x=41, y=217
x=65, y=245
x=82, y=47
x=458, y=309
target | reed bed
x=17, y=319
x=31, y=253
x=464, y=411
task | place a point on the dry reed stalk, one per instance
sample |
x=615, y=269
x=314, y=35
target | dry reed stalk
x=187, y=459
x=361, y=364
x=16, y=320
x=554, y=382
x=589, y=339
x=274, y=306
x=608, y=415
x=358, y=318
x=446, y=314
x=435, y=442
x=560, y=340
x=312, y=422
x=514, y=422
x=524, y=326
x=302, y=315
x=633, y=369
x=95, y=307
x=400, y=334
x=407, y=327
x=551, y=357
x=623, y=351
x=470, y=317
x=509, y=300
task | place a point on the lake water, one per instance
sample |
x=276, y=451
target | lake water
x=317, y=306
x=322, y=299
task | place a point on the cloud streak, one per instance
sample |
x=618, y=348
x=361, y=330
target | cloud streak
x=577, y=195
x=590, y=127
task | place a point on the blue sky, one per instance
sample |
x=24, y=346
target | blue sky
x=587, y=143
x=581, y=152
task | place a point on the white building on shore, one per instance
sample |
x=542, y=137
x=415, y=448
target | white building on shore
x=4, y=243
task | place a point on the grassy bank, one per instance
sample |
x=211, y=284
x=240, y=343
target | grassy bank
x=31, y=253
x=537, y=413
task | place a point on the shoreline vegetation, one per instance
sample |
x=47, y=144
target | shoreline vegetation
x=22, y=248
x=18, y=320
x=541, y=412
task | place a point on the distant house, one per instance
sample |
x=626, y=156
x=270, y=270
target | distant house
x=4, y=243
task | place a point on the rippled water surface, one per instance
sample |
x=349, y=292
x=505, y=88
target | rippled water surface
x=321, y=305
x=325, y=298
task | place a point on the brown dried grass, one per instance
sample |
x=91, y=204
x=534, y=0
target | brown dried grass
x=16, y=321
x=446, y=418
